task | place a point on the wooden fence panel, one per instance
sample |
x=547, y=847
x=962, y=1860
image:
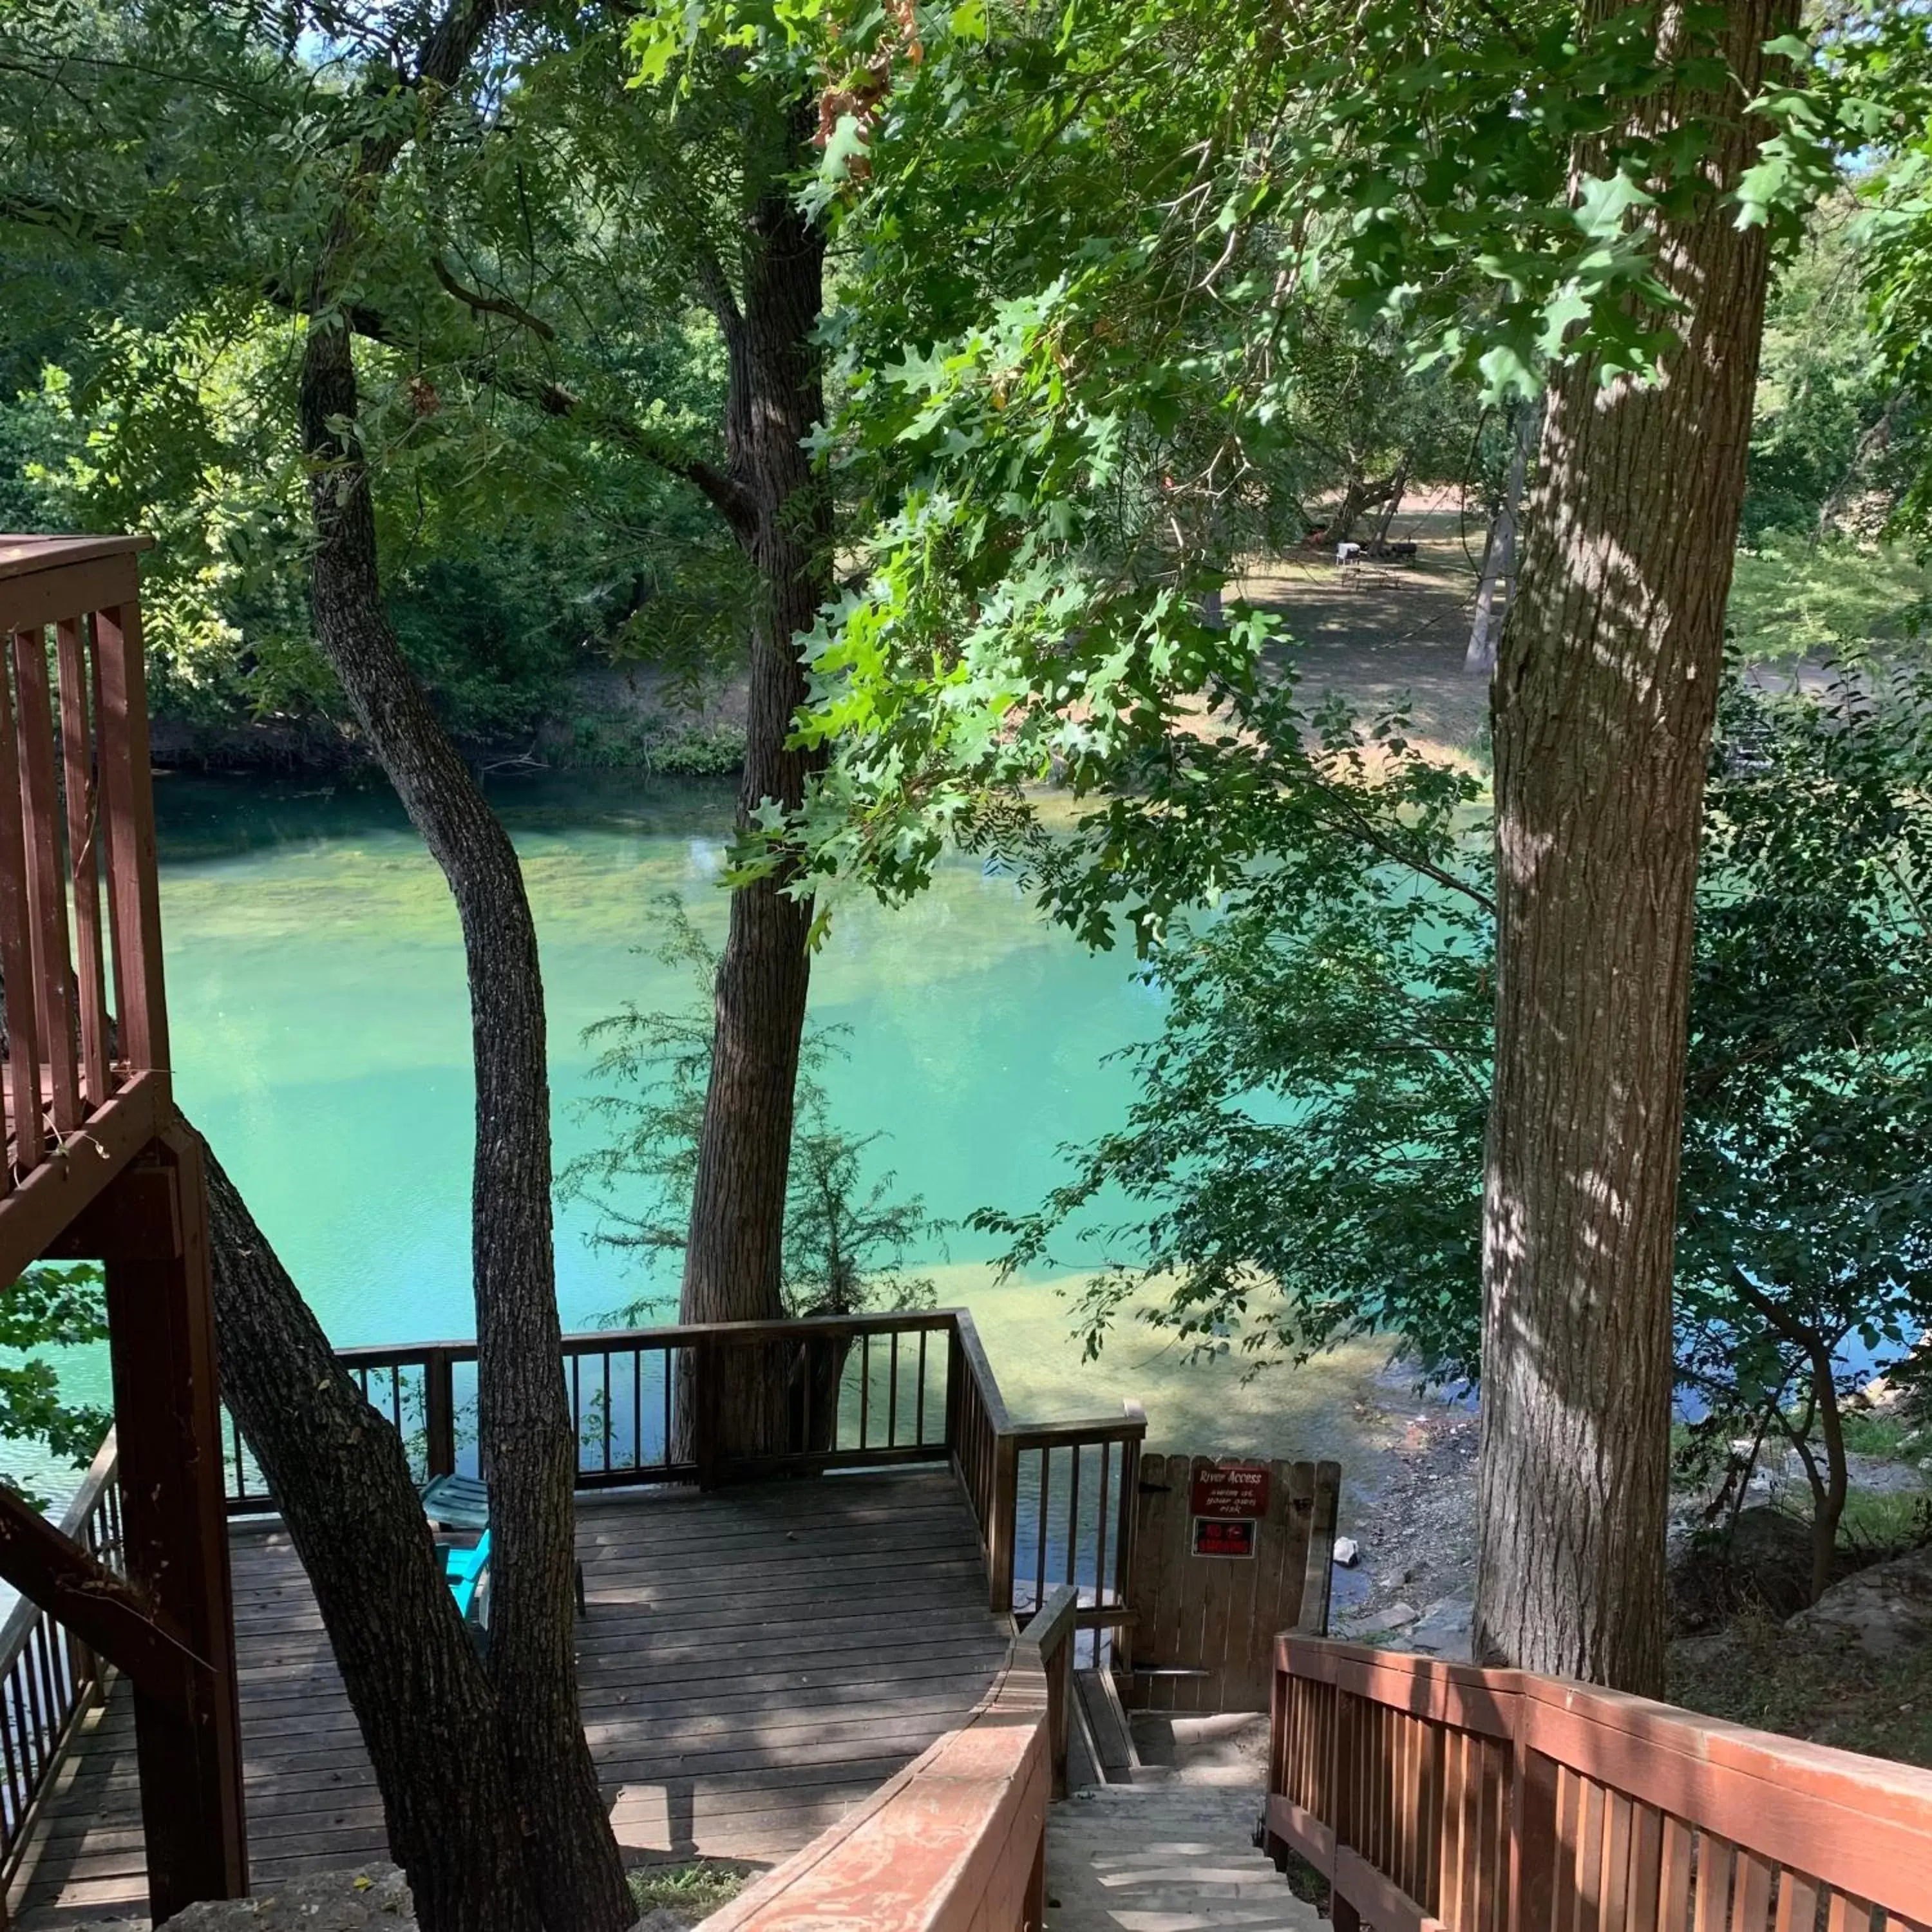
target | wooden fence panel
x=1440, y=1798
x=1204, y=1635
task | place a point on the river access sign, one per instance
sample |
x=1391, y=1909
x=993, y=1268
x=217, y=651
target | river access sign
x=1226, y=1501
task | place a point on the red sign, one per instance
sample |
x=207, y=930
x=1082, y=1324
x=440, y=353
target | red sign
x=1214, y=1537
x=1230, y=1492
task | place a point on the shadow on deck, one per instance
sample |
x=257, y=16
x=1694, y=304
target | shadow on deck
x=752, y=1661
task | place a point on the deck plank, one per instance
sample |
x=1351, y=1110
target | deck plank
x=752, y=1664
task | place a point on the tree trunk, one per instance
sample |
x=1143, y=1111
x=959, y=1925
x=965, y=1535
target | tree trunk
x=1391, y=507
x=1499, y=553
x=1602, y=706
x=1828, y=1505
x=733, y=1261
x=427, y=1711
x=527, y=1432
x=1360, y=495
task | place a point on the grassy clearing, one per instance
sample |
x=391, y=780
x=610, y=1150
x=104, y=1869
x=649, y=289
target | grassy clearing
x=696, y=1888
x=1885, y=1526
x=1868, y=1433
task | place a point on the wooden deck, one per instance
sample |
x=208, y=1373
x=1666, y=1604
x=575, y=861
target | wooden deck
x=752, y=1662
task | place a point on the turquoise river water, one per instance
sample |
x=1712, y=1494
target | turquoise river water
x=321, y=1041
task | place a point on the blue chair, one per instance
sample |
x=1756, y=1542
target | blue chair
x=464, y=1570
x=462, y=1503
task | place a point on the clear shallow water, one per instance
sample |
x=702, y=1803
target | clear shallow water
x=320, y=1032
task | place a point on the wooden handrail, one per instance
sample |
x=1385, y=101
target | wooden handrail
x=956, y=1843
x=83, y=1089
x=1051, y=1637
x=48, y=1678
x=1444, y=1798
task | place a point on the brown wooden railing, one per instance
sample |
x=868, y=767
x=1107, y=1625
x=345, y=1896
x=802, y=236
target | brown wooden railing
x=79, y=908
x=957, y=1841
x=49, y=1679
x=1055, y=1501
x=1441, y=1798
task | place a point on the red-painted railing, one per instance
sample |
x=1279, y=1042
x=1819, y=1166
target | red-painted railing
x=957, y=1842
x=1441, y=1798
x=80, y=952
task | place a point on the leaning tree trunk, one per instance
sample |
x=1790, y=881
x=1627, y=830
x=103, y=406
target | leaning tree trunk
x=427, y=1711
x=525, y=1427
x=1602, y=706
x=776, y=397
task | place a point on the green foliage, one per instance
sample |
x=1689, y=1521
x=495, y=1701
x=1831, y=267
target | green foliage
x=532, y=371
x=1793, y=597
x=847, y=1238
x=702, y=1885
x=1835, y=439
x=49, y=1307
x=1304, y=1149
x=654, y=744
x=1303, y=1161
x=1111, y=269
x=1805, y=1228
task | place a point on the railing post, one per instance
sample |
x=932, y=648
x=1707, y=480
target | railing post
x=1035, y=1896
x=1003, y=1528
x=1343, y=1914
x=955, y=1389
x=705, y=1373
x=1532, y=1850
x=161, y=1333
x=1059, y=1710
x=1129, y=1531
x=439, y=1412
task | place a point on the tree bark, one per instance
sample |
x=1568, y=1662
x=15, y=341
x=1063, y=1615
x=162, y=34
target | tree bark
x=427, y=1714
x=734, y=1257
x=1602, y=707
x=526, y=1428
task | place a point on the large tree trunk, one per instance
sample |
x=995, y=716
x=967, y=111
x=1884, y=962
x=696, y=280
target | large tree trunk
x=528, y=1439
x=1602, y=705
x=427, y=1711
x=733, y=1259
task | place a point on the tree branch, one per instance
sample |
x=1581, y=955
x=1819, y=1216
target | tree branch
x=483, y=304
x=725, y=495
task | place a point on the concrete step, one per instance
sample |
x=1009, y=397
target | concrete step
x=1169, y=1856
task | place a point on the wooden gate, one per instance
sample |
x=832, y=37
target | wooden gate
x=1204, y=1625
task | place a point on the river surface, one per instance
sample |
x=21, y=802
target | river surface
x=321, y=1040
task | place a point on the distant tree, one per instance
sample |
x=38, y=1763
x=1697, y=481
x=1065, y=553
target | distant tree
x=1835, y=432
x=1804, y=1248
x=847, y=1237
x=50, y=1307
